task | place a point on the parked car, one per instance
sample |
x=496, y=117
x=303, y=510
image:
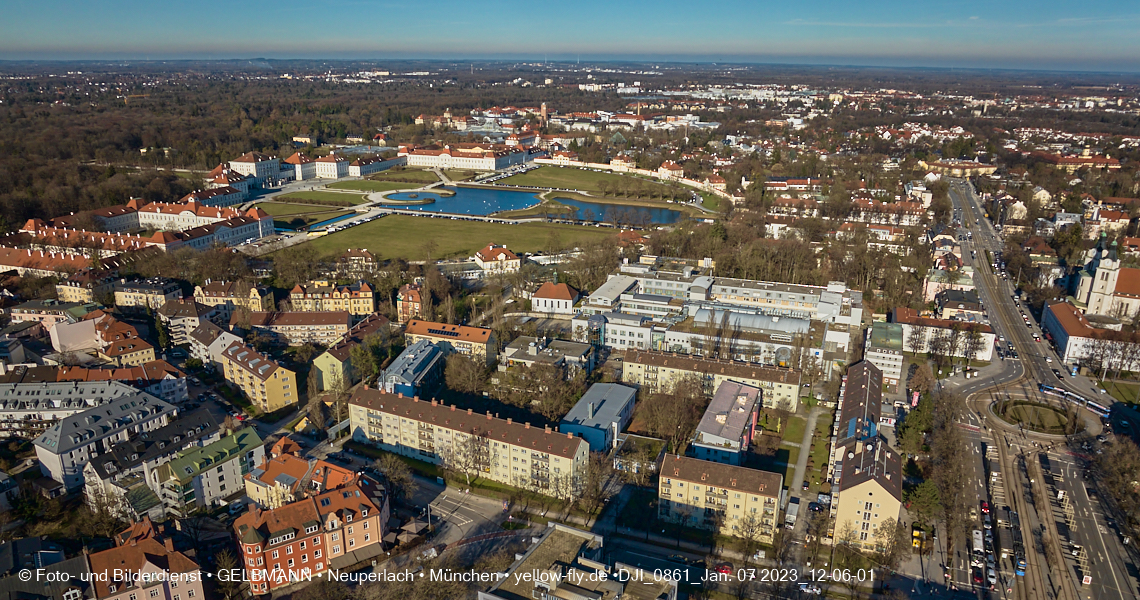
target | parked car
x=724, y=568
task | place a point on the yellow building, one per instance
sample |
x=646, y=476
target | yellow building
x=130, y=352
x=532, y=458
x=699, y=493
x=866, y=474
x=659, y=371
x=148, y=293
x=85, y=286
x=229, y=295
x=357, y=299
x=268, y=385
x=476, y=342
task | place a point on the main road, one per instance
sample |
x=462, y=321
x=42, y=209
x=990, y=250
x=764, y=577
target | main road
x=1110, y=566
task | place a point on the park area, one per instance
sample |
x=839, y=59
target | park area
x=295, y=216
x=402, y=236
x=374, y=186
x=328, y=198
x=405, y=176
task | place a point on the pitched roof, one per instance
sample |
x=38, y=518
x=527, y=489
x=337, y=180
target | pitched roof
x=252, y=157
x=477, y=335
x=295, y=319
x=556, y=291
x=254, y=362
x=450, y=417
x=750, y=481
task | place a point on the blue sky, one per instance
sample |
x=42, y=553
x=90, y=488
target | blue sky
x=1099, y=35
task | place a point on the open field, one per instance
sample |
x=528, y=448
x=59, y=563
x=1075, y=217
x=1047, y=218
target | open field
x=550, y=207
x=580, y=179
x=405, y=175
x=281, y=209
x=794, y=430
x=294, y=216
x=459, y=174
x=326, y=197
x=402, y=236
x=373, y=186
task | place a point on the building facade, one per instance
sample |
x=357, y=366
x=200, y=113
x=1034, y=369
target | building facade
x=516, y=454
x=727, y=498
x=268, y=385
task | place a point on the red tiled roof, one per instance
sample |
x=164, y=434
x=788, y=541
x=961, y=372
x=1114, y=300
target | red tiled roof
x=556, y=291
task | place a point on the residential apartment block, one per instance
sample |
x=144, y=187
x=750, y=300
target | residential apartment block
x=884, y=349
x=419, y=368
x=336, y=363
x=866, y=474
x=409, y=303
x=145, y=565
x=66, y=447
x=126, y=476
x=336, y=529
x=475, y=342
x=602, y=413
x=357, y=299
x=151, y=293
x=268, y=385
x=225, y=296
x=702, y=494
x=208, y=342
x=726, y=429
x=660, y=371
x=200, y=477
x=183, y=316
x=517, y=454
x=297, y=328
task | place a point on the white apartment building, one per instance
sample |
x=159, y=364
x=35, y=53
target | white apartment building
x=516, y=454
x=200, y=477
x=65, y=447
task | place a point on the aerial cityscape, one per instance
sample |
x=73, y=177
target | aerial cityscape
x=738, y=304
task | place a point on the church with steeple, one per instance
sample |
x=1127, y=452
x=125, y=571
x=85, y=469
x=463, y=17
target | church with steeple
x=1103, y=287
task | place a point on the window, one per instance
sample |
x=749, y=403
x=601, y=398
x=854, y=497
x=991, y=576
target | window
x=366, y=524
x=290, y=563
x=336, y=549
x=111, y=588
x=351, y=543
x=304, y=558
x=190, y=593
x=133, y=597
x=302, y=545
x=349, y=530
x=336, y=537
x=367, y=536
x=288, y=550
x=154, y=593
x=316, y=553
x=275, y=554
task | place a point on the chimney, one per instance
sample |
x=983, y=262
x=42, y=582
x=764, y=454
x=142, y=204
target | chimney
x=590, y=410
x=528, y=425
x=469, y=411
x=509, y=420
x=452, y=408
x=169, y=542
x=569, y=435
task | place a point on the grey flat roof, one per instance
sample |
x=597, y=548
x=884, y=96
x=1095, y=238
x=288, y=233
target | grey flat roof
x=729, y=411
x=83, y=428
x=413, y=363
x=608, y=400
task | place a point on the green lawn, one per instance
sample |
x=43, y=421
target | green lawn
x=401, y=236
x=280, y=209
x=710, y=201
x=459, y=174
x=409, y=175
x=373, y=186
x=326, y=196
x=794, y=430
x=575, y=179
x=1124, y=392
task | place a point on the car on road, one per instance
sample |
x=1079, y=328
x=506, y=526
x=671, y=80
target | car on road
x=985, y=507
x=724, y=568
x=1059, y=375
x=815, y=507
x=806, y=485
x=810, y=589
x=991, y=577
x=977, y=576
x=1048, y=359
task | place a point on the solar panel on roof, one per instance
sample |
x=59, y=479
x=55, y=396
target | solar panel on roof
x=851, y=427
